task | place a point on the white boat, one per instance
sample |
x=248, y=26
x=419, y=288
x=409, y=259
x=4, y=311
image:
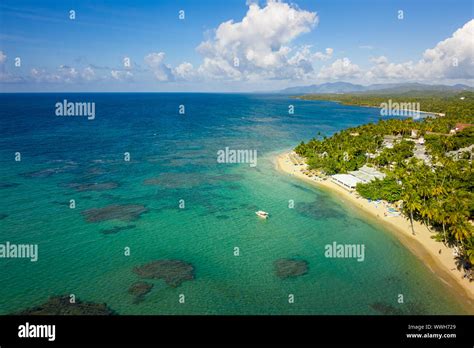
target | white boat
x=262, y=214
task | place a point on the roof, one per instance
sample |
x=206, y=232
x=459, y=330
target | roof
x=461, y=126
x=469, y=148
x=346, y=179
x=367, y=174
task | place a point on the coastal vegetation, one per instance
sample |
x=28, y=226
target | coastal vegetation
x=457, y=106
x=427, y=163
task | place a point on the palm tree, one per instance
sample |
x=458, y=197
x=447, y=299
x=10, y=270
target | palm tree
x=470, y=249
x=447, y=143
x=411, y=203
x=441, y=216
x=457, y=207
x=461, y=231
x=427, y=211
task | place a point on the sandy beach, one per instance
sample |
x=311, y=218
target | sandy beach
x=437, y=257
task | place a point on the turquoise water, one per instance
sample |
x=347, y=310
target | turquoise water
x=75, y=257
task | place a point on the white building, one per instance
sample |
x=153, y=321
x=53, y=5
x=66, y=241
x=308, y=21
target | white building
x=364, y=175
x=367, y=174
x=347, y=181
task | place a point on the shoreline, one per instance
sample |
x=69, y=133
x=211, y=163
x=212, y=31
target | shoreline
x=421, y=245
x=438, y=114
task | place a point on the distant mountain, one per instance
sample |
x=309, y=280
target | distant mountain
x=420, y=87
x=329, y=87
x=345, y=87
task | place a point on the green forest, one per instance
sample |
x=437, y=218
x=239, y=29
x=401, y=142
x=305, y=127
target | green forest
x=438, y=192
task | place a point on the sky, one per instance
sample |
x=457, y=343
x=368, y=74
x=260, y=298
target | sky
x=231, y=45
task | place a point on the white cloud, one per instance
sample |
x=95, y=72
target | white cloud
x=63, y=74
x=121, y=75
x=155, y=62
x=383, y=69
x=340, y=68
x=324, y=56
x=3, y=57
x=184, y=71
x=258, y=45
x=450, y=59
x=88, y=74
x=41, y=75
x=217, y=68
x=67, y=73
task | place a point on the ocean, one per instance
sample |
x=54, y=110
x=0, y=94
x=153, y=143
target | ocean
x=150, y=159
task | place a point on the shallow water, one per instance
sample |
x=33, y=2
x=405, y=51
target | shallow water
x=173, y=158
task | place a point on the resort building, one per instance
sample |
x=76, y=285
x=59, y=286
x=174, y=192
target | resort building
x=367, y=174
x=420, y=153
x=364, y=175
x=347, y=181
x=464, y=152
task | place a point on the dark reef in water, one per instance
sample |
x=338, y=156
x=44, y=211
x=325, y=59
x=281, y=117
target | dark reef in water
x=139, y=290
x=174, y=272
x=96, y=171
x=188, y=180
x=302, y=188
x=409, y=308
x=318, y=210
x=46, y=173
x=286, y=268
x=385, y=309
x=223, y=217
x=96, y=186
x=5, y=185
x=60, y=305
x=178, y=180
x=3, y=216
x=118, y=229
x=114, y=212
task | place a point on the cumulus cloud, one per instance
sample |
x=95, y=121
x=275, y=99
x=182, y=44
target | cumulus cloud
x=452, y=58
x=340, y=68
x=121, y=75
x=67, y=73
x=259, y=45
x=41, y=75
x=324, y=56
x=184, y=71
x=88, y=74
x=63, y=74
x=155, y=62
x=383, y=69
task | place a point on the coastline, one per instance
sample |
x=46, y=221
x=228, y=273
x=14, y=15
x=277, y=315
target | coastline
x=421, y=245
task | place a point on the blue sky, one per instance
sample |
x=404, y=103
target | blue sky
x=367, y=43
